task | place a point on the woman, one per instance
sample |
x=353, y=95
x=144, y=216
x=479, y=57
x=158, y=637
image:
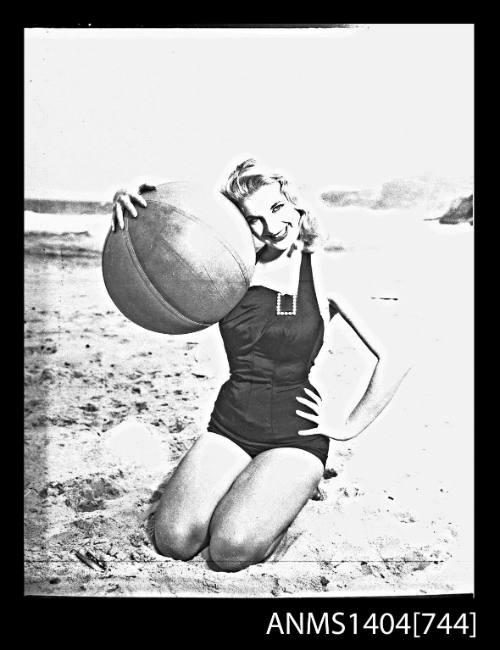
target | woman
x=244, y=481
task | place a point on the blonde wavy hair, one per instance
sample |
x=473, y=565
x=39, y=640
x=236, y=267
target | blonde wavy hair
x=249, y=176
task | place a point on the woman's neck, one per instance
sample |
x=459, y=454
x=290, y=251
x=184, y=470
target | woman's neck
x=268, y=254
x=277, y=271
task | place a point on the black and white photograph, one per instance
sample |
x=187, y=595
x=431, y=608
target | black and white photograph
x=249, y=311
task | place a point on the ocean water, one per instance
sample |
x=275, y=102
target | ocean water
x=392, y=220
x=65, y=235
x=389, y=248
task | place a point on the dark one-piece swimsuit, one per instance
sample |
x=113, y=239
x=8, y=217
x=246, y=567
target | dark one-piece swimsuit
x=270, y=357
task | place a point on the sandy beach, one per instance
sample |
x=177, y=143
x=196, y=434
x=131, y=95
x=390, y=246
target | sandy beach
x=396, y=509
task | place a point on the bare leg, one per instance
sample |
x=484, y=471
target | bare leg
x=199, y=482
x=251, y=519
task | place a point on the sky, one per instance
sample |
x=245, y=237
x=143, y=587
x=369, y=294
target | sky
x=343, y=108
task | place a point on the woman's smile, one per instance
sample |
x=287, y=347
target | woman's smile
x=279, y=236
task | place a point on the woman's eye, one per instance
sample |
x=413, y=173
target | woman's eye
x=277, y=207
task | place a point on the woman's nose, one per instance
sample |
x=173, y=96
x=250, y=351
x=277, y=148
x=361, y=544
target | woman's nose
x=272, y=226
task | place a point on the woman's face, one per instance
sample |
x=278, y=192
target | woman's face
x=274, y=221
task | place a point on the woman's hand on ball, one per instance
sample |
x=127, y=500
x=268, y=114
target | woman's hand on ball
x=123, y=200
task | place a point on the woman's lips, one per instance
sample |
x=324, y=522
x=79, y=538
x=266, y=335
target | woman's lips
x=278, y=236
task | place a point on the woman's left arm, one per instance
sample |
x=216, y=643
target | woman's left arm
x=392, y=366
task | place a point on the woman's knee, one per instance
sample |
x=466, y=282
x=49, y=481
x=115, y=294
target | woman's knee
x=178, y=540
x=233, y=553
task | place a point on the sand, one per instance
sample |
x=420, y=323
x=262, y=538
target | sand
x=395, y=515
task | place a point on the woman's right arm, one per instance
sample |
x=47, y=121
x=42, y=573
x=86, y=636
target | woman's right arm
x=123, y=200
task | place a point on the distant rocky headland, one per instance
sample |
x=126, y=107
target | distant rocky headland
x=400, y=193
x=452, y=198
x=461, y=210
x=58, y=206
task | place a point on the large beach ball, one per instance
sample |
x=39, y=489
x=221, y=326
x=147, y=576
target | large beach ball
x=183, y=263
